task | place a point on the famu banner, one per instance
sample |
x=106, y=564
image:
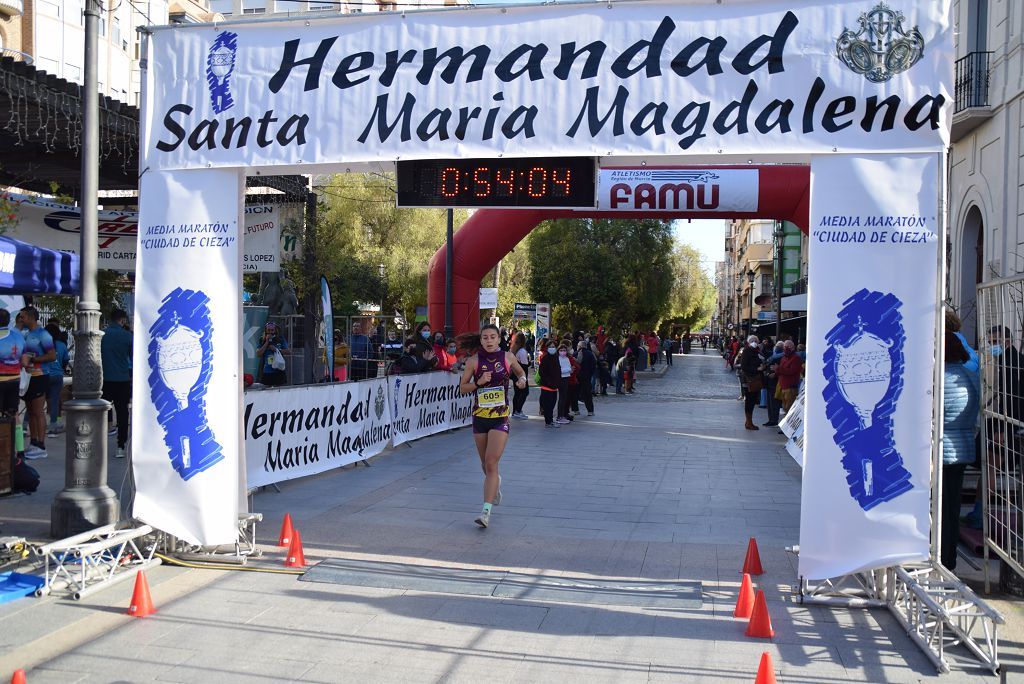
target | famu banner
x=187, y=385
x=675, y=188
x=299, y=431
x=426, y=403
x=646, y=78
x=870, y=363
x=59, y=226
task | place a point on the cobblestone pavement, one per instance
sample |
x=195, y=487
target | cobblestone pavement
x=661, y=485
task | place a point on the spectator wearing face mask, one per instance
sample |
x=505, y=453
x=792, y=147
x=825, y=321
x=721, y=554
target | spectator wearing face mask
x=423, y=334
x=446, y=354
x=565, y=371
x=520, y=394
x=550, y=372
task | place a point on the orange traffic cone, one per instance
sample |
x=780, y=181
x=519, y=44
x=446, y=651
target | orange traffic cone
x=765, y=671
x=745, y=601
x=295, y=559
x=752, y=563
x=142, y=604
x=760, y=622
x=18, y=677
x=285, y=538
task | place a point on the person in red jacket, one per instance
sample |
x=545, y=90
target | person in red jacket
x=790, y=368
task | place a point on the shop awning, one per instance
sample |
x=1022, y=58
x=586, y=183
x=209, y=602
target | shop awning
x=27, y=269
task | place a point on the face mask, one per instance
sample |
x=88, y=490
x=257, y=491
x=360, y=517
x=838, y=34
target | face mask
x=451, y=350
x=551, y=350
x=753, y=345
x=997, y=349
x=562, y=352
x=426, y=334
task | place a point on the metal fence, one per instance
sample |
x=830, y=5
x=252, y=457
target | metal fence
x=373, y=342
x=972, y=80
x=1000, y=336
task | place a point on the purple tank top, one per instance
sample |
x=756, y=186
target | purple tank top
x=495, y=363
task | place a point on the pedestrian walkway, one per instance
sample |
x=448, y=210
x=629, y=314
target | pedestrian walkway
x=663, y=487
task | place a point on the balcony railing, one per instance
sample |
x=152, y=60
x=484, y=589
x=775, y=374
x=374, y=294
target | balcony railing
x=971, y=81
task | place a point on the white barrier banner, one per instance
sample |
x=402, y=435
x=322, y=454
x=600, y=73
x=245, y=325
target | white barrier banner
x=427, y=403
x=187, y=359
x=870, y=363
x=298, y=431
x=667, y=188
x=59, y=226
x=655, y=77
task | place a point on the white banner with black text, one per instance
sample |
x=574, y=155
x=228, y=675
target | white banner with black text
x=187, y=385
x=426, y=403
x=297, y=431
x=870, y=362
x=49, y=224
x=650, y=78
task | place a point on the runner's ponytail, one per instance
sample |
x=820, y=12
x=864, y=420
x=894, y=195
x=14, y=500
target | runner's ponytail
x=470, y=342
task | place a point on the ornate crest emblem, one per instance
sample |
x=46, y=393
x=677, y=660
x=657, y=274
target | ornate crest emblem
x=881, y=48
x=380, y=403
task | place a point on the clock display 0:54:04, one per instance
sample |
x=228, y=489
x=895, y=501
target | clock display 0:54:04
x=555, y=182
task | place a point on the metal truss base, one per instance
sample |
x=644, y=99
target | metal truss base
x=88, y=562
x=237, y=554
x=934, y=606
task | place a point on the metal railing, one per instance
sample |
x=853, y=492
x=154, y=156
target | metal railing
x=1001, y=322
x=971, y=81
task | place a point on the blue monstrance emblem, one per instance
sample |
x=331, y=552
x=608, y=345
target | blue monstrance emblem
x=180, y=364
x=220, y=63
x=863, y=367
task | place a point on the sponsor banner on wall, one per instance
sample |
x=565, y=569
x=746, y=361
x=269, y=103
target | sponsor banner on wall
x=186, y=384
x=59, y=226
x=297, y=431
x=426, y=403
x=644, y=188
x=869, y=375
x=640, y=78
x=522, y=311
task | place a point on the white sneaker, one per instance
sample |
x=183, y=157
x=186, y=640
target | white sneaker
x=562, y=421
x=33, y=452
x=120, y=454
x=590, y=413
x=484, y=519
x=521, y=416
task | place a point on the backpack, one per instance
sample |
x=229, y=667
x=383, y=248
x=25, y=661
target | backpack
x=24, y=478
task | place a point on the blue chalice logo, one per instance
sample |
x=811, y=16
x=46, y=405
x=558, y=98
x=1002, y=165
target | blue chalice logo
x=863, y=367
x=220, y=64
x=180, y=364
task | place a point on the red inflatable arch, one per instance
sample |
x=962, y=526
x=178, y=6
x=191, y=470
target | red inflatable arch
x=490, y=234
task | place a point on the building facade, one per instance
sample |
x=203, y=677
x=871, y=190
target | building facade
x=986, y=163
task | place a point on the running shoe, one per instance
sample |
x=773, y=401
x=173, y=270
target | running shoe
x=575, y=412
x=552, y=425
x=120, y=453
x=33, y=452
x=484, y=519
x=590, y=413
x=521, y=416
x=562, y=421
x=497, y=498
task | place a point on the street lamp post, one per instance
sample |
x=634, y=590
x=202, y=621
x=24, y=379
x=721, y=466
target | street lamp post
x=380, y=270
x=780, y=236
x=750, y=281
x=87, y=502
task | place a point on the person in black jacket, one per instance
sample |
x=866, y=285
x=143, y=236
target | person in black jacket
x=550, y=378
x=588, y=366
x=751, y=363
x=418, y=358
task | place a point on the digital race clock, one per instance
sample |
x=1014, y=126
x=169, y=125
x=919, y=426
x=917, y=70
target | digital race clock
x=552, y=182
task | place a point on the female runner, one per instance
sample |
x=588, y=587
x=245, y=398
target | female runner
x=487, y=372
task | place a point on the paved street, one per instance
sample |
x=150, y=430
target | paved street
x=663, y=486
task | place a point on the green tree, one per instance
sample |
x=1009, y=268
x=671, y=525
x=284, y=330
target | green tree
x=693, y=294
x=599, y=270
x=361, y=227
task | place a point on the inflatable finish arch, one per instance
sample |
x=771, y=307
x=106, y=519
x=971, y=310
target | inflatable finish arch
x=490, y=234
